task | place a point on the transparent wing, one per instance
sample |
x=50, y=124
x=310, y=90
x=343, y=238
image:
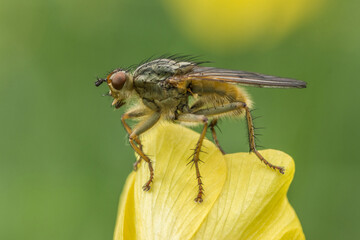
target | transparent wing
x=238, y=77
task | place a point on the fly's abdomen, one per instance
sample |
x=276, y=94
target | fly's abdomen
x=220, y=92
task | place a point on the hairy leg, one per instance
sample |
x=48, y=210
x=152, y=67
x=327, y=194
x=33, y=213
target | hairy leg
x=235, y=106
x=253, y=145
x=196, y=118
x=141, y=128
x=136, y=113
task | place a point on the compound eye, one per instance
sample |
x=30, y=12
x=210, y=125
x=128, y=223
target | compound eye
x=118, y=80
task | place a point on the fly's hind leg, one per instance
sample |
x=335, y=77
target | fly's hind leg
x=235, y=106
x=252, y=144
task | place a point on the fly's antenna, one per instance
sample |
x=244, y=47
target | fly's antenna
x=99, y=81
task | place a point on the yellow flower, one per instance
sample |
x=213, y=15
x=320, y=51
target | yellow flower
x=243, y=199
x=229, y=24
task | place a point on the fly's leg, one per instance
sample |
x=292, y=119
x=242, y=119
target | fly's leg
x=253, y=145
x=197, y=150
x=236, y=106
x=146, y=186
x=216, y=111
x=129, y=131
x=141, y=128
x=129, y=115
x=212, y=128
x=196, y=160
x=137, y=162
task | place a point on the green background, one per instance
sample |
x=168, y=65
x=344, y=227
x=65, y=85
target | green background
x=63, y=152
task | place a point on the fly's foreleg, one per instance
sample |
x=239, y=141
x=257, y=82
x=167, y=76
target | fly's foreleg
x=129, y=115
x=196, y=118
x=141, y=128
x=253, y=145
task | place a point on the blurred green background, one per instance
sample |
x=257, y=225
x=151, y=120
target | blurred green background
x=63, y=152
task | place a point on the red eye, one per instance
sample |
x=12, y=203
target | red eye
x=118, y=80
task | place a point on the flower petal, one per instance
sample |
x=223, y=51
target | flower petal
x=168, y=210
x=125, y=222
x=253, y=204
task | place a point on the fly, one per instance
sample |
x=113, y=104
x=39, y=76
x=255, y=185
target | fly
x=180, y=90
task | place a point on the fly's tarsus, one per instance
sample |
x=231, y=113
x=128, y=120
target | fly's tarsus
x=196, y=161
x=137, y=163
x=251, y=131
x=146, y=186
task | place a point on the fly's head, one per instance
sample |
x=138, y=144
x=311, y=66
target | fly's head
x=120, y=84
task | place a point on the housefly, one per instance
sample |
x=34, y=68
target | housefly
x=180, y=90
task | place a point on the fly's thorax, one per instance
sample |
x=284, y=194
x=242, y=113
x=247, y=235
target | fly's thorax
x=150, y=81
x=163, y=67
x=161, y=95
x=154, y=85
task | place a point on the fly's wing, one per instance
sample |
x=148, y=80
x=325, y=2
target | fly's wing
x=237, y=77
